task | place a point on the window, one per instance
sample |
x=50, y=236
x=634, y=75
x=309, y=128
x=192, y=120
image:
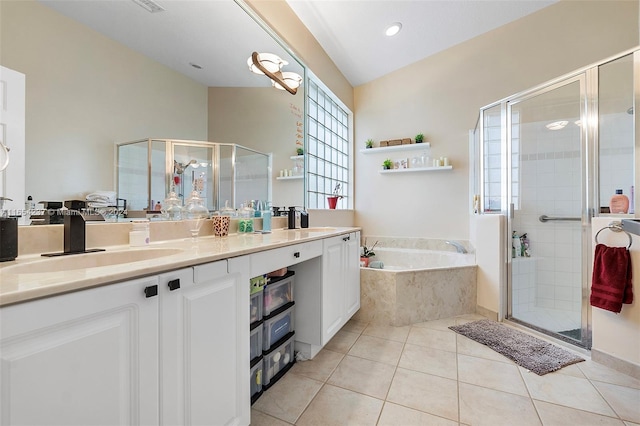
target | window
x=329, y=149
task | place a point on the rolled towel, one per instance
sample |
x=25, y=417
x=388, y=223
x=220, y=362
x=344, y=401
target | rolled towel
x=611, y=284
x=376, y=264
x=102, y=196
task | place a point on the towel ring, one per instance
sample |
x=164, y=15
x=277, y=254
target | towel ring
x=615, y=228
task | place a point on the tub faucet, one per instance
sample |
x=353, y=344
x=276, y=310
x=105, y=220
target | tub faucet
x=459, y=247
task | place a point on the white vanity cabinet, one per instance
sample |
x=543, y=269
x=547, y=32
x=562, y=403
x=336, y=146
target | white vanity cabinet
x=115, y=355
x=205, y=344
x=83, y=358
x=327, y=292
x=340, y=282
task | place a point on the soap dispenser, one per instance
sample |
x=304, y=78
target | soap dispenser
x=304, y=219
x=291, y=218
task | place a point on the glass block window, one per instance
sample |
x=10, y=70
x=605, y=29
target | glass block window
x=329, y=156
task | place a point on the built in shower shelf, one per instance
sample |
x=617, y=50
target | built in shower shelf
x=416, y=170
x=397, y=148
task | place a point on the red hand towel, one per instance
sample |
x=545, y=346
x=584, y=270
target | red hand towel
x=611, y=284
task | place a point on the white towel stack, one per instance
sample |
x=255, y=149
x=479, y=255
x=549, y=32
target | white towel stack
x=101, y=199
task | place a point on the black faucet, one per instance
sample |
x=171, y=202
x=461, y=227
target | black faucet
x=74, y=227
x=74, y=230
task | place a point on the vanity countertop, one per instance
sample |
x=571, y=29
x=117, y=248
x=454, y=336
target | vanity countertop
x=19, y=282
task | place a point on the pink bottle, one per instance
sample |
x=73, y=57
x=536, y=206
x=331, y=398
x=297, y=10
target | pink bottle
x=619, y=203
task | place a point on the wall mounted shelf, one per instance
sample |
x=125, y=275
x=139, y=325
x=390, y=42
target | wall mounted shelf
x=289, y=177
x=416, y=170
x=397, y=148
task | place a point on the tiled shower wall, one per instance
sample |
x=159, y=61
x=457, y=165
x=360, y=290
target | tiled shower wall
x=548, y=183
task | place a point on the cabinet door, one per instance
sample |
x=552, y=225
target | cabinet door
x=352, y=274
x=333, y=283
x=83, y=358
x=203, y=352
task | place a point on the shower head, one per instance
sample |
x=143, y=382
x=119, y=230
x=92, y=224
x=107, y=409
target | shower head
x=179, y=168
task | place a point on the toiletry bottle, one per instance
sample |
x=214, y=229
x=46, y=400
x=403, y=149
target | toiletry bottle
x=266, y=218
x=291, y=218
x=517, y=245
x=619, y=203
x=304, y=219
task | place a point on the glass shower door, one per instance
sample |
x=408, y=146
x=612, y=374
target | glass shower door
x=546, y=188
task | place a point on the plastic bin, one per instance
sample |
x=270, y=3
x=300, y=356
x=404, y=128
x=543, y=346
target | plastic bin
x=277, y=327
x=256, y=306
x=255, y=337
x=277, y=362
x=278, y=292
x=256, y=379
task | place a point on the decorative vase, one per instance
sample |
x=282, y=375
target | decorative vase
x=364, y=262
x=333, y=202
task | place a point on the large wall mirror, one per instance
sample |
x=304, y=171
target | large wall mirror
x=103, y=72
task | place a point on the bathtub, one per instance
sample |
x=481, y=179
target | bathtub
x=417, y=285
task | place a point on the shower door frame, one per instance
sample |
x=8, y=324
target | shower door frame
x=588, y=86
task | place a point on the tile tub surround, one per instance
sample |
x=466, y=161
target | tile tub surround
x=405, y=297
x=415, y=243
x=409, y=297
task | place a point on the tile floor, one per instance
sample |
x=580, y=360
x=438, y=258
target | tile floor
x=426, y=374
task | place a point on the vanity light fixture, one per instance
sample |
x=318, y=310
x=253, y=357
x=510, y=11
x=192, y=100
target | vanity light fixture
x=271, y=65
x=393, y=29
x=557, y=125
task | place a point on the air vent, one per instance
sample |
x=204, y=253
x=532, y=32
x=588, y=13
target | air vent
x=149, y=5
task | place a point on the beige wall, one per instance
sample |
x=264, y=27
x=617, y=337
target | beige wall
x=267, y=123
x=85, y=93
x=440, y=97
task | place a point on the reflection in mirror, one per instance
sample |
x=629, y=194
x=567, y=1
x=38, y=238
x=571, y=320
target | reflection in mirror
x=615, y=127
x=221, y=174
x=104, y=72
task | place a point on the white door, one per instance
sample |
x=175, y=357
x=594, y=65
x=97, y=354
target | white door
x=352, y=274
x=205, y=352
x=333, y=288
x=12, y=135
x=83, y=358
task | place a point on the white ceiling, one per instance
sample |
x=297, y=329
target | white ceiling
x=219, y=36
x=352, y=31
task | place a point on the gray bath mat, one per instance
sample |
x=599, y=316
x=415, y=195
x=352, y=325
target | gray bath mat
x=527, y=351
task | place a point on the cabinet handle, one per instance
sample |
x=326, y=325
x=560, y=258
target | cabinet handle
x=151, y=291
x=347, y=238
x=174, y=284
x=296, y=254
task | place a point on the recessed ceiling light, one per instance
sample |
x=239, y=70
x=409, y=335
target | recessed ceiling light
x=196, y=66
x=557, y=125
x=393, y=29
x=149, y=5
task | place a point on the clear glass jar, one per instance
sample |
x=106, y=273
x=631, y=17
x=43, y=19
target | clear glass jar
x=194, y=213
x=172, y=207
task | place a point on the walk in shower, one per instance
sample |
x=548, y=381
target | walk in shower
x=550, y=159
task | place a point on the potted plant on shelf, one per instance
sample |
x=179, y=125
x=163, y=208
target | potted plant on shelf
x=300, y=151
x=369, y=143
x=387, y=164
x=366, y=253
x=419, y=138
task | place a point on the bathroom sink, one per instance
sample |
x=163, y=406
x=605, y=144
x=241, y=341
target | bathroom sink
x=89, y=260
x=318, y=229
